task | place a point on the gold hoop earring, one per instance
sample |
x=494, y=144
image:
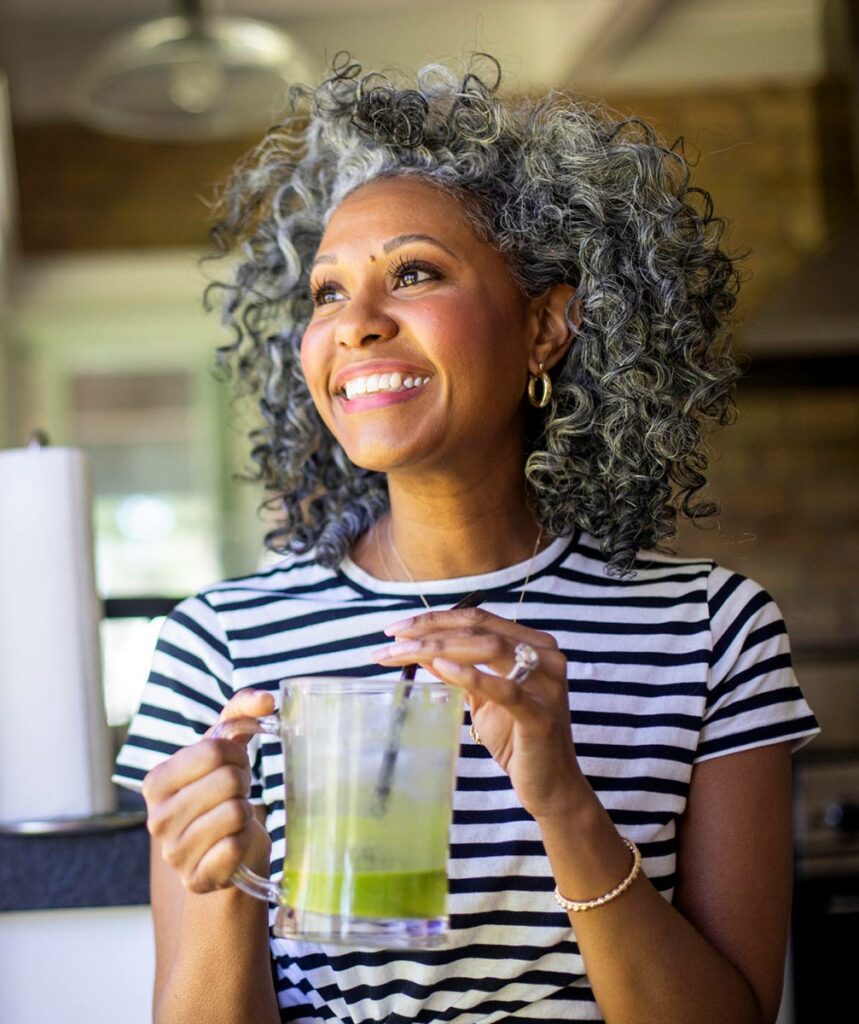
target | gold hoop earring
x=543, y=378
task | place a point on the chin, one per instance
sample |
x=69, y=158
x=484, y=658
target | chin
x=374, y=464
x=381, y=458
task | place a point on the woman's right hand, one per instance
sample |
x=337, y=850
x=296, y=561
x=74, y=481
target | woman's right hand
x=197, y=806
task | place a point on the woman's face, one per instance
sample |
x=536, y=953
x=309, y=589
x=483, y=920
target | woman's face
x=416, y=355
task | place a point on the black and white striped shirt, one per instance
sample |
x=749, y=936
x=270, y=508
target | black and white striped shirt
x=684, y=662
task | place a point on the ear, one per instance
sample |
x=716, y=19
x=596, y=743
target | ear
x=553, y=337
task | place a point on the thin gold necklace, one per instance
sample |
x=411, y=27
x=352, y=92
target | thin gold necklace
x=402, y=563
x=414, y=582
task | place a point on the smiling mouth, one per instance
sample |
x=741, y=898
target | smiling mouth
x=382, y=383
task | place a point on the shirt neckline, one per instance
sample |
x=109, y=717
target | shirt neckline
x=497, y=579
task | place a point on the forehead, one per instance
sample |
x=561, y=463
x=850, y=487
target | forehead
x=394, y=206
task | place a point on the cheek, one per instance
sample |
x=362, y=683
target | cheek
x=312, y=356
x=482, y=340
x=462, y=330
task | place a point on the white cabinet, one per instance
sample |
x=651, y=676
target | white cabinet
x=89, y=966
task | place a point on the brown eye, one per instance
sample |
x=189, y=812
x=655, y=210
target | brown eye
x=412, y=272
x=411, y=276
x=325, y=293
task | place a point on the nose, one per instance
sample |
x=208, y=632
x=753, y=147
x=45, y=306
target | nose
x=362, y=323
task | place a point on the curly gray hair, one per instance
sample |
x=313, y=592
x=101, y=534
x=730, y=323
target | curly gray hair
x=567, y=193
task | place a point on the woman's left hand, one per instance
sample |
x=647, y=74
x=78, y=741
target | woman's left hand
x=524, y=726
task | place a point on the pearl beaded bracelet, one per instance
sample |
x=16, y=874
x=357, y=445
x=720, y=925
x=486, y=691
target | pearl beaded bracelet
x=576, y=905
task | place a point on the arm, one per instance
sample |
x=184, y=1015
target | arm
x=213, y=964
x=718, y=954
x=212, y=955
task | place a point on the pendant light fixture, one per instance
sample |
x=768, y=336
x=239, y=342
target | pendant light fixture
x=192, y=76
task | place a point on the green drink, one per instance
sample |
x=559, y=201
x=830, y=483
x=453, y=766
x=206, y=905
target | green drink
x=402, y=894
x=366, y=847
x=392, y=865
x=353, y=862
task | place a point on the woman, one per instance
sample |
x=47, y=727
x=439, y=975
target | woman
x=488, y=340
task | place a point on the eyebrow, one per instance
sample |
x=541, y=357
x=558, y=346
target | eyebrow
x=396, y=243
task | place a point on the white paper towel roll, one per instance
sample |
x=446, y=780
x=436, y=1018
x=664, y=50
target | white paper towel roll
x=55, y=749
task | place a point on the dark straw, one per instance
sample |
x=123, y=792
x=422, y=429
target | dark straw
x=398, y=717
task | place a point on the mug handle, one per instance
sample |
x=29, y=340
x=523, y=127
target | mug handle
x=243, y=878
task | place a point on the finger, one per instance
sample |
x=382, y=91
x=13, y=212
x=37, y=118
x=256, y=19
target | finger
x=187, y=852
x=464, y=618
x=169, y=818
x=243, y=712
x=490, y=649
x=485, y=687
x=217, y=866
x=248, y=704
x=188, y=764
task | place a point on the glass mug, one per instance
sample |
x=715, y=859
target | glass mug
x=369, y=777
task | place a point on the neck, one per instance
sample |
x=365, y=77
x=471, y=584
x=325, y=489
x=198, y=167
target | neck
x=456, y=532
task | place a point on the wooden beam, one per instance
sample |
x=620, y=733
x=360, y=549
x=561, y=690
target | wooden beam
x=624, y=27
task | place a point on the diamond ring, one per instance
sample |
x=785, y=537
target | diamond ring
x=525, y=661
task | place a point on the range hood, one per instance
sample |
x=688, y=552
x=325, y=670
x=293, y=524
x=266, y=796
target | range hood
x=816, y=311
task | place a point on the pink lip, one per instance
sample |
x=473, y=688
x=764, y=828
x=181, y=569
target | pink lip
x=363, y=403
x=364, y=369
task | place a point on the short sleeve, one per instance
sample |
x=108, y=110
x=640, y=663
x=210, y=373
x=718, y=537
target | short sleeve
x=190, y=681
x=753, y=697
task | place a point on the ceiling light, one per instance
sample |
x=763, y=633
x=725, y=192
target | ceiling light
x=191, y=76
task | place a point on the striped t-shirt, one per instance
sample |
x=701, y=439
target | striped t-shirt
x=684, y=662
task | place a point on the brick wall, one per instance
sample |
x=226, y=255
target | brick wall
x=757, y=150
x=785, y=475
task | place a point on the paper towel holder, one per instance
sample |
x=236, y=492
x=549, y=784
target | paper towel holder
x=38, y=439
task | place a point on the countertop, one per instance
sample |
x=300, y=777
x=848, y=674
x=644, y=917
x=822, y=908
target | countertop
x=107, y=868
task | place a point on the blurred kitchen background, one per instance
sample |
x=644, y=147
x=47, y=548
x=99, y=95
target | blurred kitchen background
x=104, y=343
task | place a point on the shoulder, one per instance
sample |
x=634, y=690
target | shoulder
x=207, y=615
x=740, y=608
x=725, y=601
x=650, y=569
x=742, y=614
x=719, y=585
x=277, y=579
x=728, y=590
x=276, y=575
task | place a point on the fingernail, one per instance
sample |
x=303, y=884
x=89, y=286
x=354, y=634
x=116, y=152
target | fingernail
x=398, y=626
x=397, y=650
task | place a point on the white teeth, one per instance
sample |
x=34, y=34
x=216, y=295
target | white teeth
x=381, y=382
